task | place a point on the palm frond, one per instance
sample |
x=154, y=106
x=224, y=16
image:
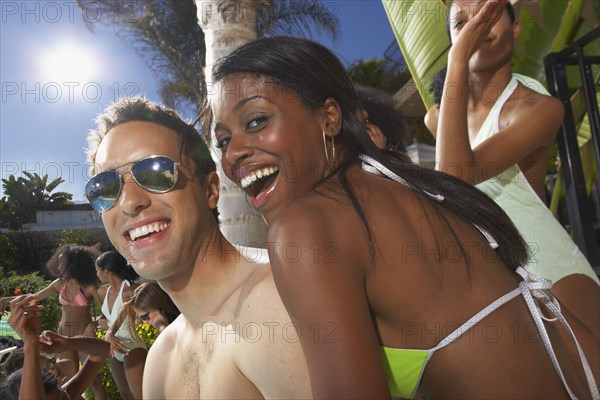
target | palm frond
x=166, y=35
x=300, y=18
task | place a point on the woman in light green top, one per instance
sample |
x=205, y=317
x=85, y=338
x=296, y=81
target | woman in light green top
x=497, y=135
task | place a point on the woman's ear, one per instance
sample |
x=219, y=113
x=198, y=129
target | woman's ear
x=333, y=117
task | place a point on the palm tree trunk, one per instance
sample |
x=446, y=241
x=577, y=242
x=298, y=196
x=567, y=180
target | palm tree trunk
x=227, y=24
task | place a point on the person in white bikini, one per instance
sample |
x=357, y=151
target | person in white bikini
x=128, y=350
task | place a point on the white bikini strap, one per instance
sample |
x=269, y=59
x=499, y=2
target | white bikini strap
x=125, y=282
x=476, y=318
x=373, y=166
x=535, y=286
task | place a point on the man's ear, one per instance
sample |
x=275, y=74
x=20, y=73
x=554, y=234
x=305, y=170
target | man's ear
x=333, y=117
x=516, y=30
x=212, y=185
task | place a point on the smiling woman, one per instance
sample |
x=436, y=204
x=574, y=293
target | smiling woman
x=68, y=62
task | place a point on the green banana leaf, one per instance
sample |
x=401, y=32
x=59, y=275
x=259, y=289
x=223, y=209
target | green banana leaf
x=546, y=26
x=420, y=29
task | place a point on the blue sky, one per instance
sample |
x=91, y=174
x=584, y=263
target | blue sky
x=48, y=105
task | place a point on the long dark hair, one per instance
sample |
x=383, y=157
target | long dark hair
x=147, y=296
x=114, y=262
x=150, y=296
x=79, y=263
x=314, y=74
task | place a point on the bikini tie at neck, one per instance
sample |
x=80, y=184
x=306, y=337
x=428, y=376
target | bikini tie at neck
x=373, y=166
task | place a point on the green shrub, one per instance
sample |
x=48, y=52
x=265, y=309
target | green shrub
x=75, y=236
x=32, y=250
x=14, y=285
x=7, y=253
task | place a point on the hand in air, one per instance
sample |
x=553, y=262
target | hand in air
x=52, y=342
x=25, y=317
x=475, y=28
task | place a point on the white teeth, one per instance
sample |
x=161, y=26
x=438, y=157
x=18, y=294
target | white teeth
x=146, y=229
x=262, y=173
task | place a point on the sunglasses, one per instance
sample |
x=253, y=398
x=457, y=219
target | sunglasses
x=143, y=318
x=156, y=174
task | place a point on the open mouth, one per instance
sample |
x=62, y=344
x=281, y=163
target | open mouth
x=147, y=230
x=260, y=180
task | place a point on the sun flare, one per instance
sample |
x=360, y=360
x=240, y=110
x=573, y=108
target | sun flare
x=68, y=62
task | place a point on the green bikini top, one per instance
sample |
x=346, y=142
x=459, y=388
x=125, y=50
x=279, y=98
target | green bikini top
x=405, y=367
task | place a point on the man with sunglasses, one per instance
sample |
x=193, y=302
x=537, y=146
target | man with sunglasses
x=155, y=186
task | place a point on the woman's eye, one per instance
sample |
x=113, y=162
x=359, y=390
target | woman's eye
x=459, y=24
x=223, y=142
x=256, y=123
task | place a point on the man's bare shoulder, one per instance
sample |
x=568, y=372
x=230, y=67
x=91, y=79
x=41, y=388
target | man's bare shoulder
x=171, y=369
x=259, y=299
x=268, y=352
x=167, y=340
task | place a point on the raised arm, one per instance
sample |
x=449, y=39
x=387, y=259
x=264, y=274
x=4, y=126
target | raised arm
x=49, y=290
x=322, y=284
x=532, y=125
x=25, y=320
x=96, y=349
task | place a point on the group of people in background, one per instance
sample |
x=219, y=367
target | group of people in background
x=77, y=269
x=381, y=278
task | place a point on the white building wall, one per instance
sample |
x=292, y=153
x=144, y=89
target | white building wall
x=62, y=219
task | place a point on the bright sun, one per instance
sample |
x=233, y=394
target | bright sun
x=68, y=62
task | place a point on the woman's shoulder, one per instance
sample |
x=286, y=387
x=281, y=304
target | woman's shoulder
x=103, y=289
x=526, y=97
x=90, y=289
x=317, y=212
x=128, y=290
x=58, y=283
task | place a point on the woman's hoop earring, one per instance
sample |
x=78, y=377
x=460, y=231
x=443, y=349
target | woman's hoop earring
x=330, y=161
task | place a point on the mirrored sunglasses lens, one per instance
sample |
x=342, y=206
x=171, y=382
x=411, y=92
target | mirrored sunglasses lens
x=156, y=174
x=102, y=190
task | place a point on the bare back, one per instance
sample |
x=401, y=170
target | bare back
x=418, y=288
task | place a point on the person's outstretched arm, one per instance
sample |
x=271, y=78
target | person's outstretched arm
x=49, y=290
